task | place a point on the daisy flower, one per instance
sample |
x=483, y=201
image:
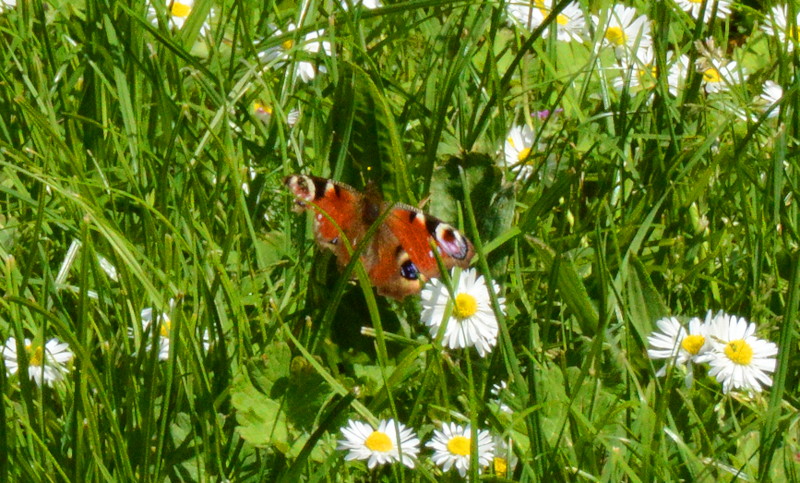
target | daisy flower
x=517, y=150
x=739, y=360
x=771, y=95
x=674, y=342
x=504, y=459
x=7, y=4
x=570, y=23
x=311, y=44
x=624, y=30
x=163, y=325
x=452, y=446
x=265, y=111
x=472, y=322
x=777, y=23
x=45, y=364
x=719, y=74
x=693, y=7
x=380, y=446
x=178, y=11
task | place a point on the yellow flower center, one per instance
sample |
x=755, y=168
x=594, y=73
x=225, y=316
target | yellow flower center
x=615, y=35
x=697, y=1
x=693, y=343
x=180, y=9
x=712, y=75
x=35, y=355
x=164, y=328
x=500, y=466
x=466, y=306
x=523, y=155
x=259, y=108
x=562, y=19
x=739, y=352
x=287, y=44
x=378, y=441
x=459, y=445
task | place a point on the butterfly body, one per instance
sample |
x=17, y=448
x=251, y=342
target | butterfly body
x=400, y=256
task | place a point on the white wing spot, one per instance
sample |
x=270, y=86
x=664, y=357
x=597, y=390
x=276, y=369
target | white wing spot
x=430, y=253
x=329, y=187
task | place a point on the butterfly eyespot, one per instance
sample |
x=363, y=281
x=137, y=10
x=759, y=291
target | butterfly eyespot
x=451, y=241
x=302, y=186
x=409, y=271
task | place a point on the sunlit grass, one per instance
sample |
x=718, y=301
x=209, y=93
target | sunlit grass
x=141, y=167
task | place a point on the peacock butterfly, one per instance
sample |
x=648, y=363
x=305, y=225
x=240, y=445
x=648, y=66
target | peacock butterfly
x=399, y=258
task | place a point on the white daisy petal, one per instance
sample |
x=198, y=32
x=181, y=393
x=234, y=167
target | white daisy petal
x=771, y=95
x=693, y=8
x=777, y=24
x=369, y=4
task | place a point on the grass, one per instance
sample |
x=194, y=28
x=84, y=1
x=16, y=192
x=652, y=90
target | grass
x=138, y=145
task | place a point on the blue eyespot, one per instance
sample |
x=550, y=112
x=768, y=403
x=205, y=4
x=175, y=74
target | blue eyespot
x=409, y=271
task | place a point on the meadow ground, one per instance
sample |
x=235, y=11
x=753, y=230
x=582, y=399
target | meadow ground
x=626, y=173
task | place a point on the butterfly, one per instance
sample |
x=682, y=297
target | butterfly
x=399, y=257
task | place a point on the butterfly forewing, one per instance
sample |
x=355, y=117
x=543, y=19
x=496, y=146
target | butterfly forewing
x=336, y=208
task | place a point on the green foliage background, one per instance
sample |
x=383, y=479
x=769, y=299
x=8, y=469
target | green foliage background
x=135, y=140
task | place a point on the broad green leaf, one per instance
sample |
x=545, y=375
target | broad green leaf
x=644, y=301
x=278, y=401
x=570, y=286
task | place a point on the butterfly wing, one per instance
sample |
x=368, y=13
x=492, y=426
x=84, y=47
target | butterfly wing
x=337, y=211
x=421, y=234
x=405, y=246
